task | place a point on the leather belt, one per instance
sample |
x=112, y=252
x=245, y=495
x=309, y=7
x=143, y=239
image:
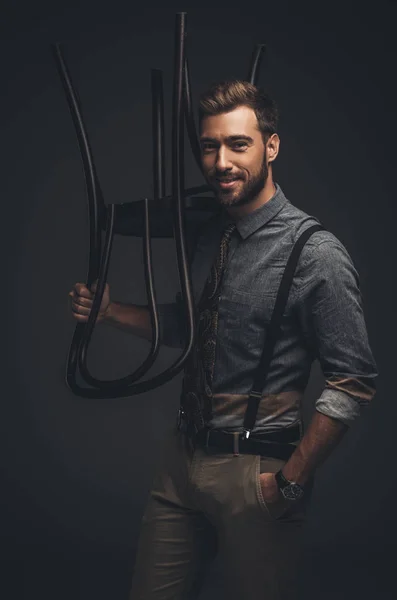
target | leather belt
x=277, y=444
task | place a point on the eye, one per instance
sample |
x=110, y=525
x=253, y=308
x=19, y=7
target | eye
x=239, y=146
x=207, y=147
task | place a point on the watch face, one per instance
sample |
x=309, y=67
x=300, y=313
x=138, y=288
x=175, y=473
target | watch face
x=293, y=491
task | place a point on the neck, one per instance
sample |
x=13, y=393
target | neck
x=267, y=192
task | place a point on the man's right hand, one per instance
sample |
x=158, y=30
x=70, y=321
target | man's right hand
x=82, y=300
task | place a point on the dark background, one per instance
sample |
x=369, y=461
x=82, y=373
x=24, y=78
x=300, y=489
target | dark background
x=74, y=474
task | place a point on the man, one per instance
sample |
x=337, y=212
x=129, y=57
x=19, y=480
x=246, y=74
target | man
x=205, y=500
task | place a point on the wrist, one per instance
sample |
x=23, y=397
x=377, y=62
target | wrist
x=291, y=490
x=107, y=314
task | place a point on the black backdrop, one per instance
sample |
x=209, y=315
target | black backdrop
x=74, y=476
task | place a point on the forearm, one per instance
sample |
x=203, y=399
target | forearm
x=132, y=318
x=320, y=438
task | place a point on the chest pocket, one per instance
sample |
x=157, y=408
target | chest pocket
x=242, y=322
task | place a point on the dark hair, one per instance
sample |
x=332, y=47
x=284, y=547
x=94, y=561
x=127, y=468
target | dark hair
x=225, y=96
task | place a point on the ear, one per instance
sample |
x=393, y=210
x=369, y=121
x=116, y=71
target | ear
x=272, y=147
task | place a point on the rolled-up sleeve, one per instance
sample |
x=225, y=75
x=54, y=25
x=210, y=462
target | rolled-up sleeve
x=331, y=313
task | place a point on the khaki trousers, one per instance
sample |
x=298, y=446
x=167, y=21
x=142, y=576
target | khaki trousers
x=205, y=503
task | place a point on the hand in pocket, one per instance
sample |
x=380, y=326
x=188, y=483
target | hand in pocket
x=269, y=487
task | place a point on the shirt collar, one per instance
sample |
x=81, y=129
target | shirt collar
x=259, y=217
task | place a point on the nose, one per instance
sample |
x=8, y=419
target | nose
x=223, y=162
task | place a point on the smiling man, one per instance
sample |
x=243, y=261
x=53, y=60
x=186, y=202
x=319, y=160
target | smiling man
x=221, y=488
x=235, y=162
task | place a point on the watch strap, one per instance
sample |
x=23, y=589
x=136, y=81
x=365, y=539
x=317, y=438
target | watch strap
x=284, y=483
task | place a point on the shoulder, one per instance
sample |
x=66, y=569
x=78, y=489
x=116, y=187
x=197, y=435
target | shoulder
x=322, y=246
x=323, y=257
x=326, y=264
x=324, y=250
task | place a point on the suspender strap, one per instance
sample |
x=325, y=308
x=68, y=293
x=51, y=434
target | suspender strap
x=274, y=330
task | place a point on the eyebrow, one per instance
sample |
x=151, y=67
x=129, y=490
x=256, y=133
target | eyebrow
x=229, y=138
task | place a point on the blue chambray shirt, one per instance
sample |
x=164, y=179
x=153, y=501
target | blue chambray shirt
x=323, y=318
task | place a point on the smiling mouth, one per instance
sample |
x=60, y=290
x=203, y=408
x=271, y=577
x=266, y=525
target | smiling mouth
x=226, y=184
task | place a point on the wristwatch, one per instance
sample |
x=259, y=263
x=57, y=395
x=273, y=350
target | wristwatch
x=289, y=489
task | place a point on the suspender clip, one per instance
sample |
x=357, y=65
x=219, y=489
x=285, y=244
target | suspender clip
x=246, y=434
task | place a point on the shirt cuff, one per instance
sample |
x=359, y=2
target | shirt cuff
x=338, y=405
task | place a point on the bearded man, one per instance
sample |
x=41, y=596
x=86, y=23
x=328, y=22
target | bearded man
x=223, y=488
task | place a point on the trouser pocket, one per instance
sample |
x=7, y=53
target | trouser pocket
x=280, y=509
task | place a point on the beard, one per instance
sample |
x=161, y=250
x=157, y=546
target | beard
x=247, y=190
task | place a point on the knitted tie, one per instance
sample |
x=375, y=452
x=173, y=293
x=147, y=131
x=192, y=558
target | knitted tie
x=199, y=370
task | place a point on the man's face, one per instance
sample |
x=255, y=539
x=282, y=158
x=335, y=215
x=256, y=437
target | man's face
x=233, y=156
